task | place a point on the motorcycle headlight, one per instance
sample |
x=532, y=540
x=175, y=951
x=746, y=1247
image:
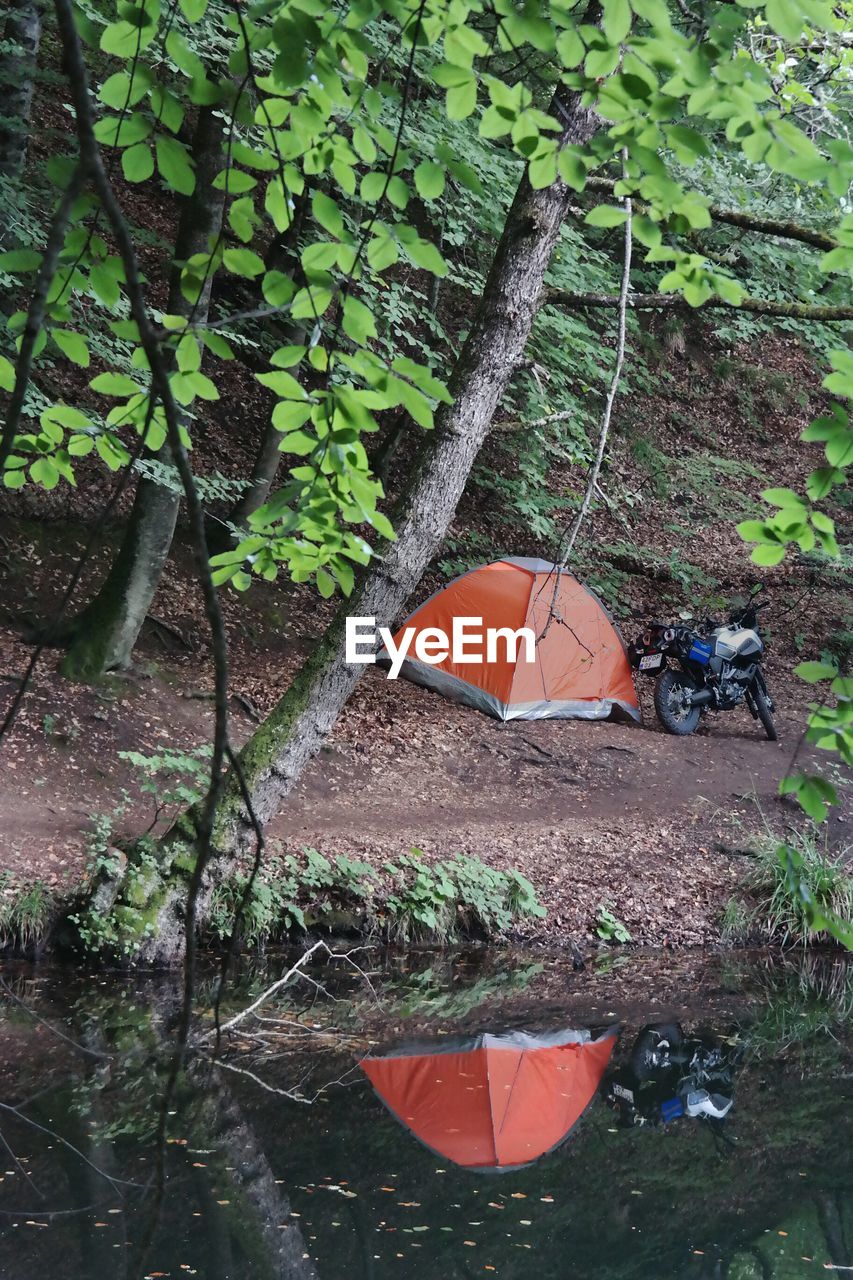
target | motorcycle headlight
x=669, y=634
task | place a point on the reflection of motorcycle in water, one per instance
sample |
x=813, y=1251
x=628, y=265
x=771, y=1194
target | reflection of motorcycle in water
x=672, y=1074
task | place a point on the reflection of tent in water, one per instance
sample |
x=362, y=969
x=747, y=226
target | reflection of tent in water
x=493, y=1102
x=579, y=670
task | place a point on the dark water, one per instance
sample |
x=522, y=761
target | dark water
x=284, y=1162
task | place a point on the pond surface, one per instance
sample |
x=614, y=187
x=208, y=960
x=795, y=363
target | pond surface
x=435, y=1116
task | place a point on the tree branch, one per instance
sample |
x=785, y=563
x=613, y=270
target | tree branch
x=748, y=222
x=675, y=302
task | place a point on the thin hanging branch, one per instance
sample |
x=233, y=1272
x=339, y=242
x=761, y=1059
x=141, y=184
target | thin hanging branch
x=675, y=302
x=623, y=302
x=567, y=538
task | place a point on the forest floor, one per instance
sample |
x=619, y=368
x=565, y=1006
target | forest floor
x=592, y=813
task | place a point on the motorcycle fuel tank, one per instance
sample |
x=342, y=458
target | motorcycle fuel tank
x=737, y=642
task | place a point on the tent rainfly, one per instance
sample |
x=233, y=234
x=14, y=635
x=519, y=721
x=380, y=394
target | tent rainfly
x=494, y=1102
x=579, y=668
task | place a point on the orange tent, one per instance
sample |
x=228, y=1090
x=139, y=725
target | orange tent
x=579, y=668
x=494, y=1102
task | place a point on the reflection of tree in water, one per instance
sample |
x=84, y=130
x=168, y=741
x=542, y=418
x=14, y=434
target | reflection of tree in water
x=235, y=1141
x=93, y=1142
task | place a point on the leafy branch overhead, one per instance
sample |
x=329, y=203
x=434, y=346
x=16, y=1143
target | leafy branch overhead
x=297, y=86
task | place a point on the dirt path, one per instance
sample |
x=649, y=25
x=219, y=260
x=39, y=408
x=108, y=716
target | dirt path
x=592, y=813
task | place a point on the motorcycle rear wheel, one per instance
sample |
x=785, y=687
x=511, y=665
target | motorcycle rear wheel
x=762, y=710
x=672, y=689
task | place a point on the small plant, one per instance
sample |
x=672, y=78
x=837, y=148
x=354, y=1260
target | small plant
x=770, y=908
x=174, y=779
x=26, y=912
x=461, y=895
x=413, y=901
x=424, y=899
x=609, y=927
x=288, y=893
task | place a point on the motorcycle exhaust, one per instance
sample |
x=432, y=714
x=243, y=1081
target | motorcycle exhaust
x=701, y=698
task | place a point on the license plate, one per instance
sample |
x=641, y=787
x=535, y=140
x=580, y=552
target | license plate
x=650, y=661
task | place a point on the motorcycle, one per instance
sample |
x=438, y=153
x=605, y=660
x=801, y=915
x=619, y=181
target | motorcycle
x=706, y=667
x=671, y=1074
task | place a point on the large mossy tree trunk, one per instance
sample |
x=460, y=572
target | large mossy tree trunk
x=105, y=632
x=279, y=750
x=21, y=36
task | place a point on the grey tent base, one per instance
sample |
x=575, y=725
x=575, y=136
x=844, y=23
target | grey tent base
x=545, y=709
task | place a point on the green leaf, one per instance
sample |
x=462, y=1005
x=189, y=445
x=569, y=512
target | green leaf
x=768, y=554
x=114, y=384
x=753, y=530
x=812, y=672
x=299, y=442
x=283, y=384
x=44, y=472
x=605, y=215
x=617, y=20
x=289, y=414
x=137, y=163
x=243, y=262
x=788, y=17
x=325, y=584
x=429, y=180
x=328, y=214
x=119, y=93
x=16, y=260
x=783, y=498
x=571, y=49
x=358, y=321
x=174, y=165
x=287, y=357
x=73, y=345
x=372, y=186
x=424, y=254
x=122, y=131
x=461, y=100
x=193, y=10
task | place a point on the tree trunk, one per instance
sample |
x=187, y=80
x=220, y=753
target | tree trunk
x=260, y=1221
x=275, y=756
x=22, y=33
x=104, y=634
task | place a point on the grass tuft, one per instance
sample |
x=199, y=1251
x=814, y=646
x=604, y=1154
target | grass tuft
x=26, y=914
x=766, y=910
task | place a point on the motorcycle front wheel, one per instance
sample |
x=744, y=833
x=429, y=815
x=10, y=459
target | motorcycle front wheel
x=672, y=702
x=762, y=710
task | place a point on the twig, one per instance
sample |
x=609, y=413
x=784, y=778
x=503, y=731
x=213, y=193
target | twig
x=270, y=1088
x=51, y=1133
x=276, y=986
